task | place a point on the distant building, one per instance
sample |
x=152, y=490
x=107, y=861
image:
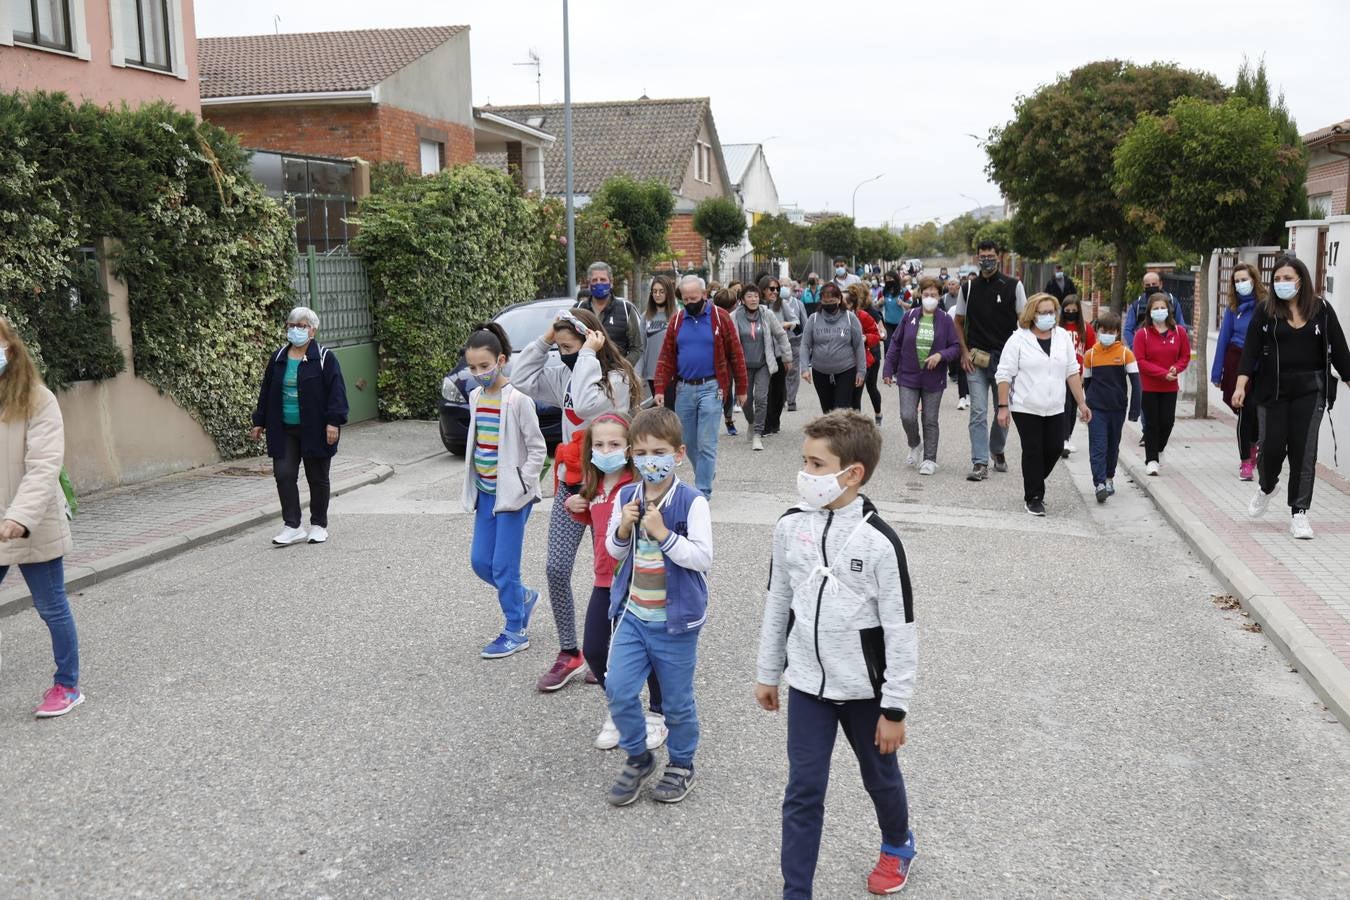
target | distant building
x=1328, y=178
x=756, y=192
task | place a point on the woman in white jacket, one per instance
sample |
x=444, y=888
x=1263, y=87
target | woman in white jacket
x=1037, y=368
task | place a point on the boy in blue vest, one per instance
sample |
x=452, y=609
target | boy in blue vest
x=839, y=628
x=1111, y=386
x=660, y=534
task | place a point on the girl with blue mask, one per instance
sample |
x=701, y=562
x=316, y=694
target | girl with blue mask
x=1163, y=352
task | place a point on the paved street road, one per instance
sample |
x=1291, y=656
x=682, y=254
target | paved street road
x=315, y=721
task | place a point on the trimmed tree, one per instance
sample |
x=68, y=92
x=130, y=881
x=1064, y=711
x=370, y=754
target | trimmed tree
x=776, y=238
x=643, y=209
x=1205, y=175
x=837, y=236
x=720, y=222
x=1054, y=159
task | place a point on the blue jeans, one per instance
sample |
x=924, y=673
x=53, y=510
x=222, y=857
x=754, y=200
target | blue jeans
x=637, y=649
x=1104, y=442
x=47, y=583
x=699, y=407
x=495, y=556
x=982, y=385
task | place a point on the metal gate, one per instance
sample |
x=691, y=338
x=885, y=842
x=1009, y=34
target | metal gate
x=335, y=286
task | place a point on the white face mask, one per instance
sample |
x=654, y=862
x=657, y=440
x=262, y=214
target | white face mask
x=818, y=491
x=930, y=304
x=1045, y=321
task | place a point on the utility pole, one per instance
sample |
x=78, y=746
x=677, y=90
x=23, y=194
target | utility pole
x=567, y=154
x=855, y=209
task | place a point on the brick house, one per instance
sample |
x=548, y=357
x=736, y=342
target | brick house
x=381, y=95
x=1328, y=179
x=131, y=51
x=672, y=141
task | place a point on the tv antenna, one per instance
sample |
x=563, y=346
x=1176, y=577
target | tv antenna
x=538, y=63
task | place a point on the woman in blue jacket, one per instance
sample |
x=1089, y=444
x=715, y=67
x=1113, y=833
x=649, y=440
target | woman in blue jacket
x=302, y=407
x=1245, y=291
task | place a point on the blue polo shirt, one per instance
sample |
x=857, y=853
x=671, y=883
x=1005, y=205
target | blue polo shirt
x=695, y=345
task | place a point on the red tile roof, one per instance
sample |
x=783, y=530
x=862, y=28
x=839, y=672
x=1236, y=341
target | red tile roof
x=1340, y=132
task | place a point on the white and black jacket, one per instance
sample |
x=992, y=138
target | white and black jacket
x=839, y=613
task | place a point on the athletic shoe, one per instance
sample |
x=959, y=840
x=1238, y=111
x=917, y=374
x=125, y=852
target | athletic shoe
x=963, y=403
x=1035, y=507
x=1260, y=503
x=656, y=730
x=564, y=669
x=58, y=701
x=1151, y=467
x=731, y=428
x=912, y=459
x=674, y=785
x=505, y=645
x=1111, y=486
x=608, y=738
x=978, y=472
x=757, y=443
x=1000, y=462
x=792, y=407
x=590, y=677
x=531, y=598
x=318, y=534
x=878, y=419
x=1247, y=470
x=1103, y=492
x=290, y=536
x=628, y=785
x=1300, y=527
x=1069, y=447
x=928, y=467
x=1064, y=454
x=892, y=870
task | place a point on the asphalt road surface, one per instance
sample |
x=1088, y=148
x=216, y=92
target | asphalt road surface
x=316, y=722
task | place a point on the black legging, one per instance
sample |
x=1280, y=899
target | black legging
x=1290, y=426
x=869, y=382
x=286, y=471
x=834, y=391
x=957, y=371
x=1042, y=437
x=595, y=644
x=773, y=419
x=1160, y=414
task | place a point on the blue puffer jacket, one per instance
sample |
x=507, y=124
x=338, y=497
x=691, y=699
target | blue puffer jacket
x=1233, y=332
x=323, y=401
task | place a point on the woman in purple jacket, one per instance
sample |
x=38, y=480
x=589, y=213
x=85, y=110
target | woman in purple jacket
x=923, y=346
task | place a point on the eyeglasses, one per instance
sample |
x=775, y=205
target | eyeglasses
x=771, y=289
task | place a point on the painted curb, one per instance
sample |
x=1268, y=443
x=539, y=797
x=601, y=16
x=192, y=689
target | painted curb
x=86, y=574
x=1324, y=672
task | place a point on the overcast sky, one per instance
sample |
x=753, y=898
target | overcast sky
x=834, y=90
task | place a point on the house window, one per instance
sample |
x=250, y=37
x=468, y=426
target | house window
x=703, y=162
x=145, y=33
x=44, y=23
x=1320, y=205
x=433, y=156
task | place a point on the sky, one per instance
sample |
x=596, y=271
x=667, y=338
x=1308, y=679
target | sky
x=843, y=91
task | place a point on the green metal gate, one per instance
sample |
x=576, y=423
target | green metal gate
x=336, y=287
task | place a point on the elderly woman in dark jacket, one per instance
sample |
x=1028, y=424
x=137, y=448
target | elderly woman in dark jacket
x=302, y=407
x=922, y=346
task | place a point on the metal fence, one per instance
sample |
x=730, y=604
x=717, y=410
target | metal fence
x=336, y=287
x=1182, y=286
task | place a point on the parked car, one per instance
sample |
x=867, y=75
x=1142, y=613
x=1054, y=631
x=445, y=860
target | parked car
x=523, y=322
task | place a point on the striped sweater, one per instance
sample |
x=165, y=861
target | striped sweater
x=486, y=439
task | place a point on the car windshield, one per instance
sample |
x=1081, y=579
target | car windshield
x=527, y=323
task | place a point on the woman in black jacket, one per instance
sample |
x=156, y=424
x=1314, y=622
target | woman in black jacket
x=302, y=407
x=1296, y=340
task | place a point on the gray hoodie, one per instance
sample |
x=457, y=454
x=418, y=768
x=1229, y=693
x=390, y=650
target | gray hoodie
x=833, y=344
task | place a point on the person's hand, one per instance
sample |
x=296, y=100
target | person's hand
x=740, y=400
x=858, y=382
x=890, y=735
x=10, y=530
x=1084, y=413
x=888, y=381
x=595, y=339
x=766, y=695
x=548, y=335
x=934, y=361
x=577, y=504
x=806, y=376
x=1171, y=376
x=654, y=525
x=331, y=432
x=1172, y=370
x=1003, y=417
x=660, y=399
x=627, y=519
x=966, y=363
x=1239, y=396
x=255, y=433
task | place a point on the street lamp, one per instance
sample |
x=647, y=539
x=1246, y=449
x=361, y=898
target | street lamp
x=971, y=199
x=567, y=154
x=855, y=206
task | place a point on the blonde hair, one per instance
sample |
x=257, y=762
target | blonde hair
x=1028, y=316
x=20, y=380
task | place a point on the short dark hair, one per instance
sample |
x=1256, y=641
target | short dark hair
x=751, y=288
x=988, y=244
x=1108, y=320
x=491, y=337
x=658, y=422
x=851, y=436
x=831, y=288
x=840, y=259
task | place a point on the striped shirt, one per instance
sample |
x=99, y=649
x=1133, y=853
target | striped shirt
x=647, y=600
x=487, y=435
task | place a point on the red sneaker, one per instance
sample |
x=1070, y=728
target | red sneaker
x=892, y=870
x=58, y=701
x=565, y=668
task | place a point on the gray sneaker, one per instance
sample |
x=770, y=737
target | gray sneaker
x=1000, y=462
x=674, y=785
x=978, y=472
x=630, y=781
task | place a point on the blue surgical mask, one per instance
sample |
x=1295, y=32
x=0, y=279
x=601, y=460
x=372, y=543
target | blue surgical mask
x=1244, y=288
x=600, y=291
x=1158, y=315
x=1045, y=321
x=609, y=462
x=1107, y=339
x=485, y=380
x=1286, y=290
x=655, y=468
x=298, y=336
x=839, y=271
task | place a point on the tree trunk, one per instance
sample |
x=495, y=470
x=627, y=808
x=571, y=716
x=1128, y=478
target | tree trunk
x=636, y=287
x=1124, y=256
x=1201, y=323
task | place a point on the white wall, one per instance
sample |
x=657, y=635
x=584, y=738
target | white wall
x=1338, y=295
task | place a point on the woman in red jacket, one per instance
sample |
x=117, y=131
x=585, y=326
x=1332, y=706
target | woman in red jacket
x=1163, y=351
x=1071, y=320
x=857, y=299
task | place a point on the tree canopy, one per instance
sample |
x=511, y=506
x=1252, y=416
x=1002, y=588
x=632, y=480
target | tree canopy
x=642, y=208
x=775, y=237
x=836, y=236
x=720, y=222
x=1254, y=86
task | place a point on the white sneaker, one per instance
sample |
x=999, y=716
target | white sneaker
x=317, y=534
x=1069, y=447
x=1260, y=503
x=656, y=730
x=608, y=738
x=928, y=467
x=912, y=459
x=1151, y=467
x=1300, y=527
x=290, y=536
x=963, y=403
x=757, y=443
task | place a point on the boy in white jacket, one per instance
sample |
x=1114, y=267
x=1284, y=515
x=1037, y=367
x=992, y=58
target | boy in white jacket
x=839, y=625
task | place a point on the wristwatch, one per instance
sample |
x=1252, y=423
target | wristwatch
x=894, y=715
x=1003, y=406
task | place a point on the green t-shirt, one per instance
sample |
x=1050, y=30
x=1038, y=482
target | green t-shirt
x=290, y=393
x=923, y=340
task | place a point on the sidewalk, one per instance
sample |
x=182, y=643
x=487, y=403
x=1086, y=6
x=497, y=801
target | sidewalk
x=1298, y=591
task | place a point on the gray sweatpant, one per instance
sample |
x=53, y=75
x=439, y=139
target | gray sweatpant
x=794, y=378
x=756, y=398
x=910, y=400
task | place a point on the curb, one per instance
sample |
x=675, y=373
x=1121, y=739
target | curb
x=82, y=576
x=1325, y=673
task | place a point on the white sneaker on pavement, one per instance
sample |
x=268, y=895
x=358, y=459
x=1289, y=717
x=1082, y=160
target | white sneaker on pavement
x=1070, y=447
x=963, y=403
x=290, y=536
x=1151, y=467
x=608, y=738
x=757, y=443
x=318, y=534
x=928, y=467
x=1260, y=503
x=656, y=730
x=1300, y=527
x=913, y=458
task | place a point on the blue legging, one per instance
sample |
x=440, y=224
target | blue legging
x=495, y=556
x=595, y=645
x=47, y=583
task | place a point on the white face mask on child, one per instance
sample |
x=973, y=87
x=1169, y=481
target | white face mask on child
x=819, y=491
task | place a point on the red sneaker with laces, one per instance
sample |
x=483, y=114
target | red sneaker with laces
x=58, y=701
x=564, y=669
x=892, y=869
